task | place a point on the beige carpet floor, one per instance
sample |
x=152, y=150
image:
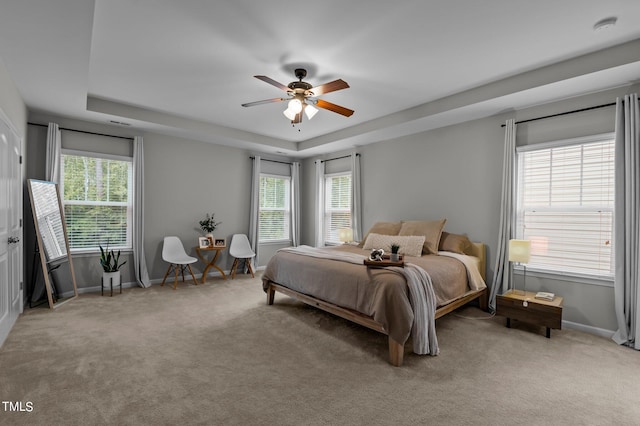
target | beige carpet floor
x=216, y=354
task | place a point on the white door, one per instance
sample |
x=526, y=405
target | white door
x=10, y=229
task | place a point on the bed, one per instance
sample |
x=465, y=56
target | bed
x=380, y=298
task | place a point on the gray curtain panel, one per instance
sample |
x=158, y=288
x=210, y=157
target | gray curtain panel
x=54, y=148
x=502, y=270
x=139, y=259
x=255, y=207
x=295, y=203
x=627, y=221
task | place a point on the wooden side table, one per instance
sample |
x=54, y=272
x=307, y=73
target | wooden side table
x=212, y=262
x=537, y=311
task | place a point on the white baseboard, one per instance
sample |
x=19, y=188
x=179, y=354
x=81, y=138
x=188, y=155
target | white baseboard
x=565, y=324
x=197, y=276
x=95, y=289
x=588, y=329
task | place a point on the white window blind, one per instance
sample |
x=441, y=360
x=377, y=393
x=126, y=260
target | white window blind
x=275, y=211
x=565, y=207
x=97, y=198
x=337, y=206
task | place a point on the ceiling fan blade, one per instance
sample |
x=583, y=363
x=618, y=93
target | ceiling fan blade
x=266, y=101
x=272, y=82
x=335, y=108
x=329, y=87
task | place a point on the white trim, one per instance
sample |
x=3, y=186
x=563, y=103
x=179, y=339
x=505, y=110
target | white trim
x=588, y=329
x=133, y=284
x=96, y=252
x=559, y=276
x=275, y=242
x=274, y=175
x=287, y=209
x=330, y=175
x=79, y=153
x=566, y=142
x=4, y=117
x=198, y=277
x=547, y=271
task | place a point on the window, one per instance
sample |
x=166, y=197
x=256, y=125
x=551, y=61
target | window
x=565, y=206
x=275, y=210
x=97, y=193
x=337, y=205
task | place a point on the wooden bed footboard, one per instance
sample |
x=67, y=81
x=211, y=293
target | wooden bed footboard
x=396, y=349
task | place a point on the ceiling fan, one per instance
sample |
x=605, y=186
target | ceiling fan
x=302, y=97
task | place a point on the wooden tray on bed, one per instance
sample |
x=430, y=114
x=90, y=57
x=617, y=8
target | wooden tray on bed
x=384, y=262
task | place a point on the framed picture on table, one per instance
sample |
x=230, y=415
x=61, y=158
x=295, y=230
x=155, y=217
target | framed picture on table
x=219, y=242
x=204, y=242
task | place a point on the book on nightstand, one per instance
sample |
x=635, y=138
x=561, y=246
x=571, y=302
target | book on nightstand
x=543, y=295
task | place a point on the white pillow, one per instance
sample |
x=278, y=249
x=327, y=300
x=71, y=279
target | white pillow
x=410, y=245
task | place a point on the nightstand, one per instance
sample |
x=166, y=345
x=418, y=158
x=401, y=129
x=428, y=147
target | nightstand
x=537, y=312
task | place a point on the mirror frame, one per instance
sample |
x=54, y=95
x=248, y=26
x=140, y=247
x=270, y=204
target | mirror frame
x=41, y=247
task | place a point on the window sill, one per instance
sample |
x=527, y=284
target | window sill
x=91, y=252
x=274, y=242
x=574, y=278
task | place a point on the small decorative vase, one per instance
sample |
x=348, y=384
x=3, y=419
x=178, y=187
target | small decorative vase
x=210, y=237
x=394, y=257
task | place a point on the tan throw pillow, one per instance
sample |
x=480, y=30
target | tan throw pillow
x=430, y=229
x=383, y=228
x=455, y=243
x=409, y=245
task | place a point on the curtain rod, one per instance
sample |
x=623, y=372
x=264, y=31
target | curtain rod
x=565, y=113
x=338, y=158
x=273, y=161
x=83, y=131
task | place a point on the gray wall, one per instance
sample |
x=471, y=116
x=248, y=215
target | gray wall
x=11, y=103
x=184, y=180
x=452, y=172
x=455, y=173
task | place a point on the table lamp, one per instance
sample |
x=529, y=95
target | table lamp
x=520, y=252
x=345, y=235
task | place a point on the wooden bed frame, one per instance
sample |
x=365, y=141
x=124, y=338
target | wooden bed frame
x=396, y=349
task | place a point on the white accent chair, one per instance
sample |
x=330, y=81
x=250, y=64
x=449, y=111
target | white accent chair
x=178, y=259
x=241, y=249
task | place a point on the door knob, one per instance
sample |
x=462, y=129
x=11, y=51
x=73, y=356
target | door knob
x=13, y=240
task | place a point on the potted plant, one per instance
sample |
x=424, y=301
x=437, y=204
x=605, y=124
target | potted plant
x=208, y=225
x=110, y=262
x=394, y=257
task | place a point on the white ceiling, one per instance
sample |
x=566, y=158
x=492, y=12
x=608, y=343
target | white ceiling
x=185, y=67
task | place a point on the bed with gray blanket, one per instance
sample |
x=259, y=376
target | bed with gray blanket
x=378, y=298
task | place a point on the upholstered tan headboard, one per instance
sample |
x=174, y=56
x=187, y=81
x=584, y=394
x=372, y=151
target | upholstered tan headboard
x=479, y=250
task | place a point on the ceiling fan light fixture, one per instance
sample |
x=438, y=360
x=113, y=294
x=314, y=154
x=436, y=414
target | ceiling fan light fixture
x=310, y=111
x=301, y=97
x=295, y=105
x=289, y=114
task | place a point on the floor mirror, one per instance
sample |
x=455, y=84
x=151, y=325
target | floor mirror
x=52, y=241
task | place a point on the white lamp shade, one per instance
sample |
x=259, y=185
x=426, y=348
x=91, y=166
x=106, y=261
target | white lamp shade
x=289, y=114
x=310, y=111
x=295, y=106
x=345, y=235
x=519, y=251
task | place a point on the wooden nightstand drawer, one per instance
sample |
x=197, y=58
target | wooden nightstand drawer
x=537, y=312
